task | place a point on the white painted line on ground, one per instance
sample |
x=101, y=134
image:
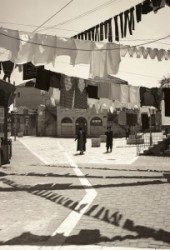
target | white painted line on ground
x=67, y=226
x=38, y=156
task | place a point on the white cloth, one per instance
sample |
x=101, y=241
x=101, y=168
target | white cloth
x=124, y=93
x=112, y=58
x=134, y=95
x=45, y=49
x=115, y=91
x=67, y=47
x=105, y=103
x=84, y=50
x=27, y=48
x=9, y=39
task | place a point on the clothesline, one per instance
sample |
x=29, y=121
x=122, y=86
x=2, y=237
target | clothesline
x=40, y=49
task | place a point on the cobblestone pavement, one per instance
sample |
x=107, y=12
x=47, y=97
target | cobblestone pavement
x=53, y=198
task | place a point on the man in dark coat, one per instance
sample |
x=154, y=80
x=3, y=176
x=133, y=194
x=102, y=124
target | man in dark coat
x=109, y=139
x=81, y=141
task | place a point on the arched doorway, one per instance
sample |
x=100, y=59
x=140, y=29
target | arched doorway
x=81, y=122
x=66, y=126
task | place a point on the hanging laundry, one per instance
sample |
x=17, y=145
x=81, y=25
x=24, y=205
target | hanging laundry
x=158, y=96
x=129, y=21
x=131, y=51
x=8, y=67
x=27, y=48
x=67, y=47
x=112, y=59
x=92, y=91
x=84, y=50
x=123, y=50
x=54, y=94
x=153, y=53
x=45, y=49
x=145, y=121
x=116, y=28
x=160, y=54
x=167, y=54
x=54, y=79
x=115, y=92
x=6, y=94
x=108, y=29
x=98, y=60
x=167, y=2
x=42, y=79
x=167, y=101
x=20, y=67
x=139, y=12
x=121, y=17
x=157, y=4
x=147, y=7
x=9, y=39
x=124, y=93
x=134, y=95
x=80, y=98
x=104, y=90
x=138, y=52
x=146, y=97
x=145, y=52
x=30, y=71
x=67, y=91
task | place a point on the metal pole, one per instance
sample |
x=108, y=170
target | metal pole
x=150, y=128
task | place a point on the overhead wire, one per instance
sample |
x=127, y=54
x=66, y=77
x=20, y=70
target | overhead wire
x=52, y=16
x=82, y=15
x=45, y=45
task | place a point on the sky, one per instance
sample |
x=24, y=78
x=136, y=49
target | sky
x=70, y=17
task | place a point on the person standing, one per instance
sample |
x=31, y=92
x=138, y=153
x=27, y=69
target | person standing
x=109, y=139
x=81, y=141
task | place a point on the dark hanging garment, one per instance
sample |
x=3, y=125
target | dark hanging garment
x=121, y=24
x=158, y=96
x=108, y=30
x=42, y=79
x=146, y=97
x=67, y=91
x=8, y=67
x=167, y=2
x=6, y=93
x=80, y=98
x=157, y=4
x=145, y=121
x=97, y=33
x=116, y=28
x=129, y=21
x=139, y=12
x=55, y=79
x=167, y=101
x=30, y=71
x=92, y=91
x=101, y=31
x=147, y=7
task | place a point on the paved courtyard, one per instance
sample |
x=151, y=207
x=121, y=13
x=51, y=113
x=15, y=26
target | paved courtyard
x=54, y=198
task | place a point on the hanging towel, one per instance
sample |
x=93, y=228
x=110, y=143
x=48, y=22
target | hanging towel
x=115, y=92
x=124, y=93
x=9, y=39
x=138, y=12
x=134, y=95
x=104, y=90
x=84, y=50
x=129, y=21
x=30, y=71
x=42, y=79
x=80, y=98
x=147, y=7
